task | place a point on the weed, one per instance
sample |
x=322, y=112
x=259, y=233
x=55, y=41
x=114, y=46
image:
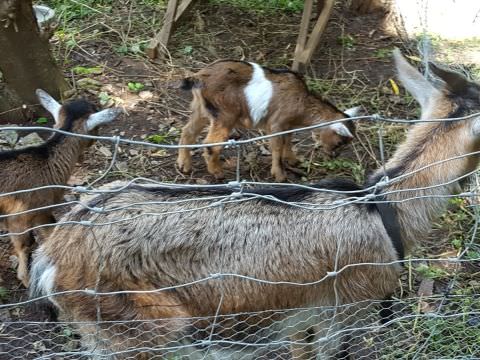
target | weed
x=129, y=48
x=188, y=50
x=431, y=272
x=83, y=70
x=345, y=166
x=384, y=53
x=264, y=5
x=318, y=85
x=135, y=86
x=68, y=332
x=104, y=98
x=41, y=120
x=347, y=41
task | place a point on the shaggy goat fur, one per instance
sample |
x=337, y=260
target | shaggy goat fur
x=158, y=244
x=236, y=94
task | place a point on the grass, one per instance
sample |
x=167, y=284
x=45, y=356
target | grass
x=448, y=328
x=264, y=5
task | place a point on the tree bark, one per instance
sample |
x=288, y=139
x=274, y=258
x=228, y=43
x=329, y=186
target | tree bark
x=25, y=63
x=367, y=6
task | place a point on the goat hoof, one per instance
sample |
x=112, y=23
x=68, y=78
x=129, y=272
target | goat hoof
x=219, y=175
x=279, y=176
x=24, y=279
x=184, y=166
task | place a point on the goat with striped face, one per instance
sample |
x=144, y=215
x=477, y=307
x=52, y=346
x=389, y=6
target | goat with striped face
x=235, y=94
x=178, y=236
x=50, y=163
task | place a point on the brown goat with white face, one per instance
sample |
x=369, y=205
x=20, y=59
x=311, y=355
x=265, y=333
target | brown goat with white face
x=167, y=242
x=50, y=163
x=236, y=94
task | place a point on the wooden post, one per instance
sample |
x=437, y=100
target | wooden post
x=174, y=12
x=303, y=33
x=305, y=48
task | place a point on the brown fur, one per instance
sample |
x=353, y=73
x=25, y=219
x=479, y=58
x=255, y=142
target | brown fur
x=218, y=100
x=51, y=163
x=257, y=238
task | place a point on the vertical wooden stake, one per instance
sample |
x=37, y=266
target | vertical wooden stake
x=304, y=54
x=174, y=12
x=302, y=35
x=163, y=36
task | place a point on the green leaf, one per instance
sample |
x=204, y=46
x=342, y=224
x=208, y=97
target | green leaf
x=135, y=86
x=104, y=98
x=41, y=120
x=156, y=138
x=81, y=70
x=188, y=50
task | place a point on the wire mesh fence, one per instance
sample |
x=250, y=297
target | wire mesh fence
x=434, y=327
x=438, y=324
x=434, y=314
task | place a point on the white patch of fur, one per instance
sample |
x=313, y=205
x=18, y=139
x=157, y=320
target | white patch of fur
x=476, y=126
x=341, y=130
x=353, y=111
x=43, y=276
x=258, y=93
x=47, y=279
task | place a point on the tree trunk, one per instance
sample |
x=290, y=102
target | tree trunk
x=25, y=63
x=367, y=6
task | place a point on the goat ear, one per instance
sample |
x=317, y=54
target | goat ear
x=102, y=117
x=49, y=103
x=341, y=130
x=455, y=82
x=353, y=111
x=412, y=80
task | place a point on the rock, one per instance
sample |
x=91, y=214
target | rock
x=8, y=137
x=121, y=166
x=145, y=95
x=29, y=140
x=105, y=151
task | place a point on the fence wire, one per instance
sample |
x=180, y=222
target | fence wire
x=431, y=326
x=435, y=313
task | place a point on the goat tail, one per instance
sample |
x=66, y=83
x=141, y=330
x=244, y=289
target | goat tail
x=189, y=83
x=42, y=276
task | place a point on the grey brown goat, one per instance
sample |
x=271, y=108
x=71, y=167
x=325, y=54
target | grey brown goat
x=231, y=94
x=169, y=244
x=50, y=163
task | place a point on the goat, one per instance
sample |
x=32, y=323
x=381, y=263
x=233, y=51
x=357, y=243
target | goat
x=165, y=243
x=50, y=163
x=233, y=94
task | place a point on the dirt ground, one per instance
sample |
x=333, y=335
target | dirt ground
x=351, y=67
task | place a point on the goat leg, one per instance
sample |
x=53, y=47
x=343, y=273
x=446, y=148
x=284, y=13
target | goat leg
x=217, y=133
x=288, y=155
x=189, y=136
x=22, y=245
x=276, y=147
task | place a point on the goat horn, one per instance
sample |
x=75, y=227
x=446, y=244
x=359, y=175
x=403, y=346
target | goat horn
x=102, y=117
x=49, y=103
